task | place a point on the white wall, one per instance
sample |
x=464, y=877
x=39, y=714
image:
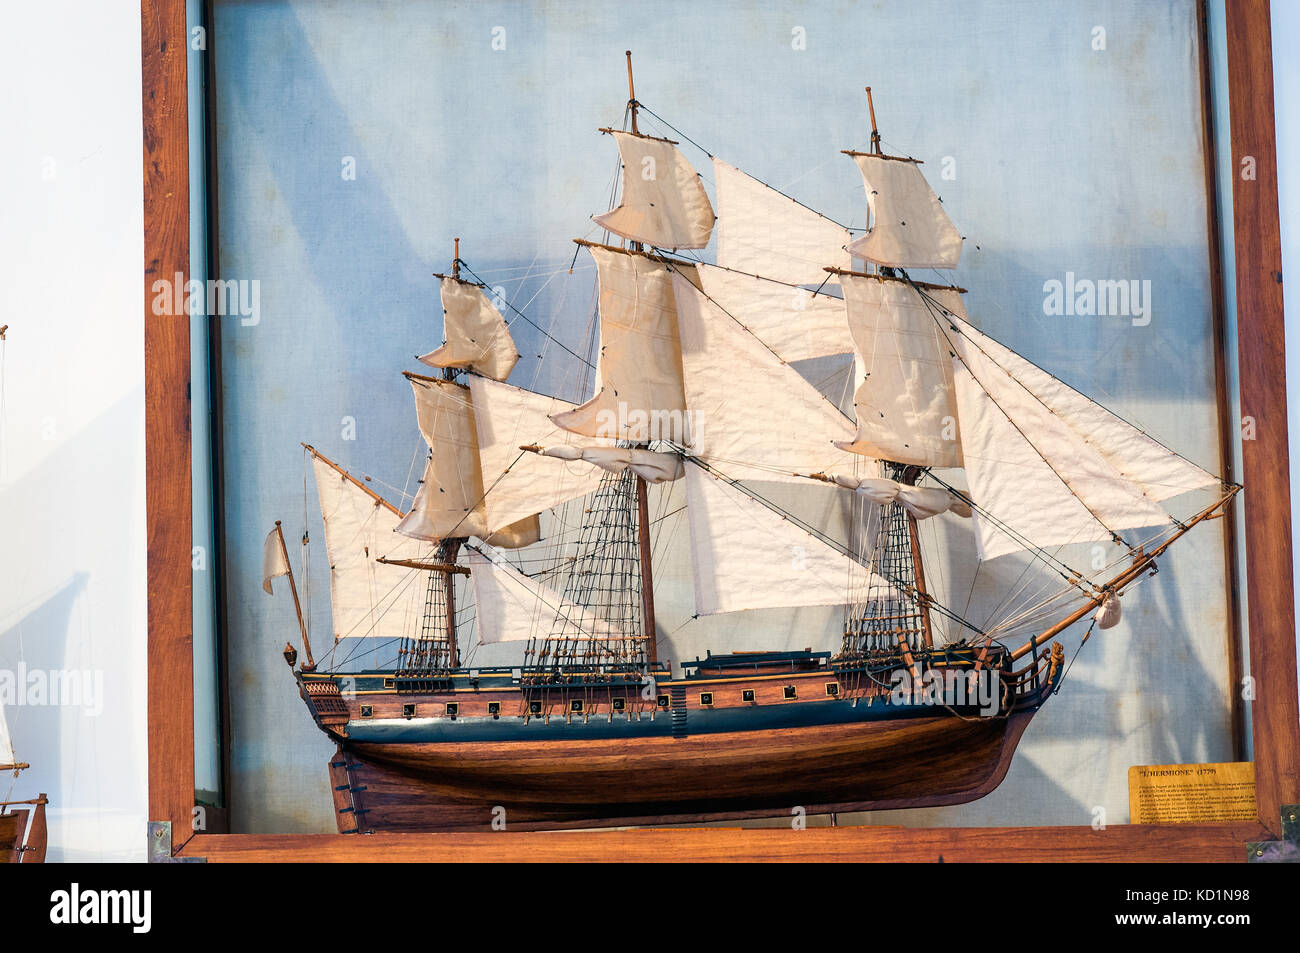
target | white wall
x=72, y=513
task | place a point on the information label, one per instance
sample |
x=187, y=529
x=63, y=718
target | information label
x=1191, y=793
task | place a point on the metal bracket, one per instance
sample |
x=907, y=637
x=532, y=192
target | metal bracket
x=160, y=846
x=1284, y=851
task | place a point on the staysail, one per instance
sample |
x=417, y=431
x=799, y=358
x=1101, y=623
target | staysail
x=368, y=598
x=909, y=227
x=752, y=415
x=519, y=484
x=477, y=338
x=1050, y=464
x=450, y=501
x=512, y=607
x=762, y=232
x=794, y=322
x=639, y=390
x=663, y=202
x=905, y=399
x=745, y=556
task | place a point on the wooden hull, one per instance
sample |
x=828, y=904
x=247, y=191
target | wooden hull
x=740, y=736
x=918, y=761
x=23, y=832
x=13, y=826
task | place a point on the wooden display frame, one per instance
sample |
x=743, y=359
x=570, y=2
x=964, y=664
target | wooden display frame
x=1267, y=521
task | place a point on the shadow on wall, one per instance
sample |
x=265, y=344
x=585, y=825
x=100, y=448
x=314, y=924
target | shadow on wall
x=65, y=631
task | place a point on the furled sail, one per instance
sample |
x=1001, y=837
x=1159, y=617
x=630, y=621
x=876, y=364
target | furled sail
x=512, y=607
x=663, y=202
x=368, y=598
x=905, y=402
x=639, y=394
x=909, y=227
x=745, y=556
x=762, y=232
x=1051, y=465
x=752, y=415
x=450, y=503
x=793, y=322
x=520, y=484
x=922, y=502
x=650, y=465
x=476, y=335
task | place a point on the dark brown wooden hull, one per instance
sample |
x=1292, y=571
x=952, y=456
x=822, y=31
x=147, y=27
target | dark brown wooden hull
x=925, y=761
x=23, y=832
x=12, y=828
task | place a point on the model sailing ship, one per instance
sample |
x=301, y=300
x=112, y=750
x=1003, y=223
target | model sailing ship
x=695, y=385
x=23, y=833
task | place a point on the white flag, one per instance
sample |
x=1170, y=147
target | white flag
x=274, y=562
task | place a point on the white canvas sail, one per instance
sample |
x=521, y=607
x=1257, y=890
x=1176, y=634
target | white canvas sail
x=519, y=484
x=905, y=402
x=511, y=607
x=639, y=391
x=368, y=598
x=663, y=202
x=793, y=322
x=1161, y=473
x=909, y=227
x=745, y=556
x=1048, y=463
x=274, y=563
x=752, y=415
x=762, y=232
x=450, y=501
x=7, y=756
x=476, y=334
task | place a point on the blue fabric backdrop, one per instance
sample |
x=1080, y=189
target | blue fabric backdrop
x=1064, y=158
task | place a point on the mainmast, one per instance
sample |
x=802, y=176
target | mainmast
x=904, y=621
x=448, y=548
x=908, y=477
x=642, y=491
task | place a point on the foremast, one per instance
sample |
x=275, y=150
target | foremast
x=612, y=574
